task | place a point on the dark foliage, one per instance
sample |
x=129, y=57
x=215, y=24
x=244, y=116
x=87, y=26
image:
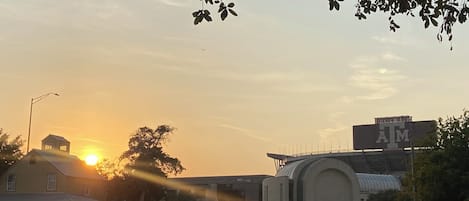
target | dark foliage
x=224, y=9
x=145, y=155
x=442, y=13
x=10, y=151
x=389, y=195
x=439, y=13
x=442, y=171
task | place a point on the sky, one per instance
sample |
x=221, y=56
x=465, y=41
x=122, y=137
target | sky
x=281, y=77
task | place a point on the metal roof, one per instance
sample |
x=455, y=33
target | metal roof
x=373, y=183
x=289, y=169
x=368, y=182
x=69, y=165
x=372, y=162
x=55, y=137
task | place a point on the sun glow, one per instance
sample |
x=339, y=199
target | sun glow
x=91, y=159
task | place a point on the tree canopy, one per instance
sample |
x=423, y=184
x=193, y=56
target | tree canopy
x=439, y=13
x=389, y=195
x=145, y=155
x=441, y=170
x=10, y=150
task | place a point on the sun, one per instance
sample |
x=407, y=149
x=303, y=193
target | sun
x=91, y=160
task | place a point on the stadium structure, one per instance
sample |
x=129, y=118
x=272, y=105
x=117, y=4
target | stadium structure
x=383, y=153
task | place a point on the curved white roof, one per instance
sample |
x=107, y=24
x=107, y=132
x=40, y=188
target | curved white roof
x=288, y=169
x=377, y=182
x=371, y=183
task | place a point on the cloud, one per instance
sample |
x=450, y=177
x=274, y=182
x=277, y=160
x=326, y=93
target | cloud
x=377, y=81
x=335, y=116
x=389, y=40
x=176, y=3
x=89, y=140
x=305, y=88
x=332, y=133
x=391, y=57
x=245, y=132
x=263, y=76
x=281, y=81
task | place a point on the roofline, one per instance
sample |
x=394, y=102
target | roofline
x=405, y=122
x=290, y=159
x=226, y=176
x=35, y=150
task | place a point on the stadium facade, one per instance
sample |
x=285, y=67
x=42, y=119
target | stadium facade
x=382, y=155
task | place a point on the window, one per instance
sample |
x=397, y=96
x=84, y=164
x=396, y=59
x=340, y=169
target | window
x=63, y=148
x=51, y=182
x=11, y=183
x=47, y=147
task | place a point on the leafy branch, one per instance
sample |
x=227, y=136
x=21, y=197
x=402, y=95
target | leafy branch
x=223, y=9
x=438, y=13
x=442, y=13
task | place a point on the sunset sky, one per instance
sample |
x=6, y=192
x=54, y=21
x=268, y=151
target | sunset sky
x=282, y=77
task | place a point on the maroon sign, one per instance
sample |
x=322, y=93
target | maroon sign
x=395, y=135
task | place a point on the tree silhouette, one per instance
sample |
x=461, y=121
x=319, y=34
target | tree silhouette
x=146, y=155
x=10, y=151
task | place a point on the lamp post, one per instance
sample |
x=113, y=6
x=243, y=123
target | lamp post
x=35, y=100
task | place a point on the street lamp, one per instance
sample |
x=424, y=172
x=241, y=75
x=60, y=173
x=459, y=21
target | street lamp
x=35, y=100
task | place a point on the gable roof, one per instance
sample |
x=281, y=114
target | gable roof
x=69, y=165
x=56, y=138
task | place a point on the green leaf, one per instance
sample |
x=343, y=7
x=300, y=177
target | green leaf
x=224, y=14
x=198, y=19
x=336, y=5
x=434, y=22
x=208, y=18
x=427, y=23
x=221, y=7
x=233, y=12
x=462, y=17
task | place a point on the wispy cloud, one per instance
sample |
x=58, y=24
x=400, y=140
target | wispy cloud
x=331, y=134
x=260, y=76
x=287, y=81
x=176, y=3
x=388, y=40
x=305, y=87
x=245, y=132
x=89, y=140
x=388, y=56
x=377, y=81
x=335, y=116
